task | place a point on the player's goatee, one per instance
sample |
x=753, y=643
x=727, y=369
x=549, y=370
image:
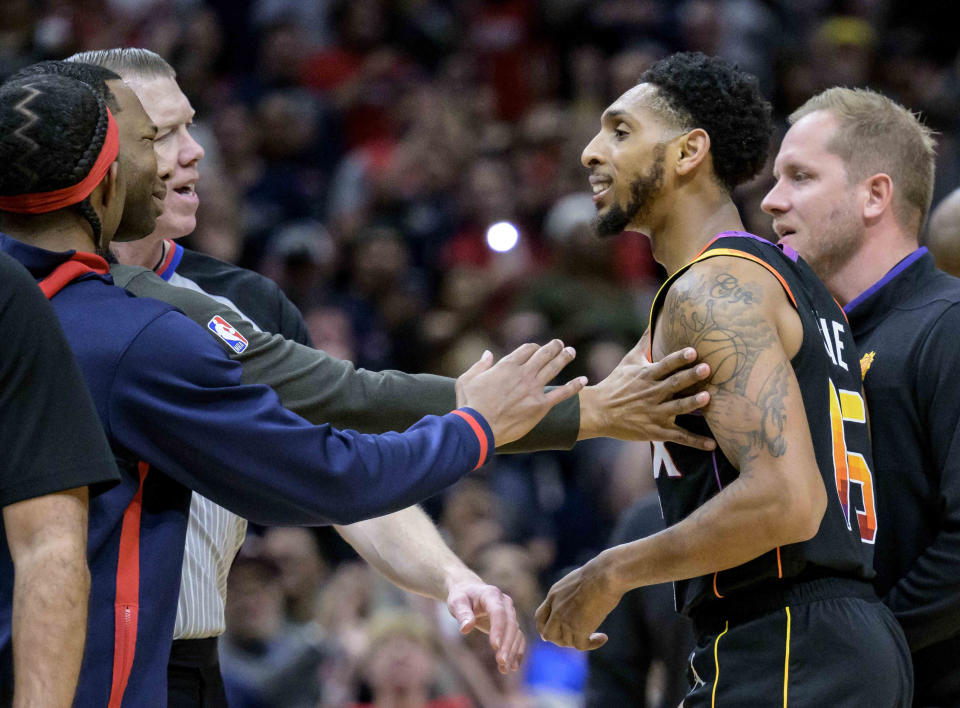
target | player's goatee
x=643, y=192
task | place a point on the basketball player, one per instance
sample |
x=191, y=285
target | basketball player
x=769, y=540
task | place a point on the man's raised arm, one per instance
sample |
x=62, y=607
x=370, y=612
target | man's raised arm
x=635, y=402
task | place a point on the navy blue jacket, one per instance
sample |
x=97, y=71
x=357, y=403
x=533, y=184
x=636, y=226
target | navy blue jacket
x=178, y=418
x=907, y=328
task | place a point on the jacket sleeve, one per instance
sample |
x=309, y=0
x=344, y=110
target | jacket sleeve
x=926, y=600
x=292, y=324
x=324, y=389
x=178, y=402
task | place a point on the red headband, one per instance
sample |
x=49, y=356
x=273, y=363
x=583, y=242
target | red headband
x=43, y=202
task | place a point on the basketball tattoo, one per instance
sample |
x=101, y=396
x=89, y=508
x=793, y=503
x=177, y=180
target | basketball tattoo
x=753, y=411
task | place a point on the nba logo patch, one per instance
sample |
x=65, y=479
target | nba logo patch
x=228, y=333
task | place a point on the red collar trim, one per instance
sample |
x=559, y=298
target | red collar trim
x=79, y=264
x=171, y=247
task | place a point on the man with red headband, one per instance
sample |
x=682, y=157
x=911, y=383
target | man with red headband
x=171, y=401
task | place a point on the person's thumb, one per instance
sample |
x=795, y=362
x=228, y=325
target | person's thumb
x=597, y=640
x=482, y=364
x=463, y=613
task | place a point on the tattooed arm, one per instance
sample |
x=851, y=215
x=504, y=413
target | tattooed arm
x=740, y=321
x=743, y=325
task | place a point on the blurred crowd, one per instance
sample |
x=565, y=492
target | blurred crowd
x=358, y=152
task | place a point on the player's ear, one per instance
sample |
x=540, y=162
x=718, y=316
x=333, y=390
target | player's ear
x=107, y=192
x=878, y=196
x=693, y=148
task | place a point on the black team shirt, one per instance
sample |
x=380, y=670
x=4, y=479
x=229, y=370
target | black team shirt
x=826, y=367
x=50, y=436
x=907, y=329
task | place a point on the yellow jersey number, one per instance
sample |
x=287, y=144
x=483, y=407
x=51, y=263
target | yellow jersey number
x=851, y=467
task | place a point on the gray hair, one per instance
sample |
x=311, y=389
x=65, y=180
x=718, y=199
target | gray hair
x=129, y=62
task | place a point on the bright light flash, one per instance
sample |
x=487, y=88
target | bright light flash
x=502, y=236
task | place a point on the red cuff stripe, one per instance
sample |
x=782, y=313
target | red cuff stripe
x=478, y=431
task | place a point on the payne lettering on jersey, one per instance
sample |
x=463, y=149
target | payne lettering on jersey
x=832, y=332
x=228, y=333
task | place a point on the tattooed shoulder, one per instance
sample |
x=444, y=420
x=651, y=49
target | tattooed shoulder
x=722, y=314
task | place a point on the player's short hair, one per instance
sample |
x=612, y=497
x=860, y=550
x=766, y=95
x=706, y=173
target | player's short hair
x=699, y=91
x=96, y=77
x=129, y=62
x=52, y=129
x=876, y=134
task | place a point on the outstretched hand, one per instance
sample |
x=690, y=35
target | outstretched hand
x=476, y=605
x=510, y=394
x=637, y=401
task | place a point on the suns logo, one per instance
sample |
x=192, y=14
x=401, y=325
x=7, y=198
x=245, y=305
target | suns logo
x=865, y=362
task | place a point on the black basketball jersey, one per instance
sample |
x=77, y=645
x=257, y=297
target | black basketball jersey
x=827, y=368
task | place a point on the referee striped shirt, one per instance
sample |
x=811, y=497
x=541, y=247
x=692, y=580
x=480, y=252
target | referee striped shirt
x=214, y=534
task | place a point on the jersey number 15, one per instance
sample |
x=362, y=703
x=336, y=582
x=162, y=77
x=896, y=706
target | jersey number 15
x=851, y=467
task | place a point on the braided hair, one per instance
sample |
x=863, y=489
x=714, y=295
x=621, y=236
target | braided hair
x=96, y=77
x=52, y=129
